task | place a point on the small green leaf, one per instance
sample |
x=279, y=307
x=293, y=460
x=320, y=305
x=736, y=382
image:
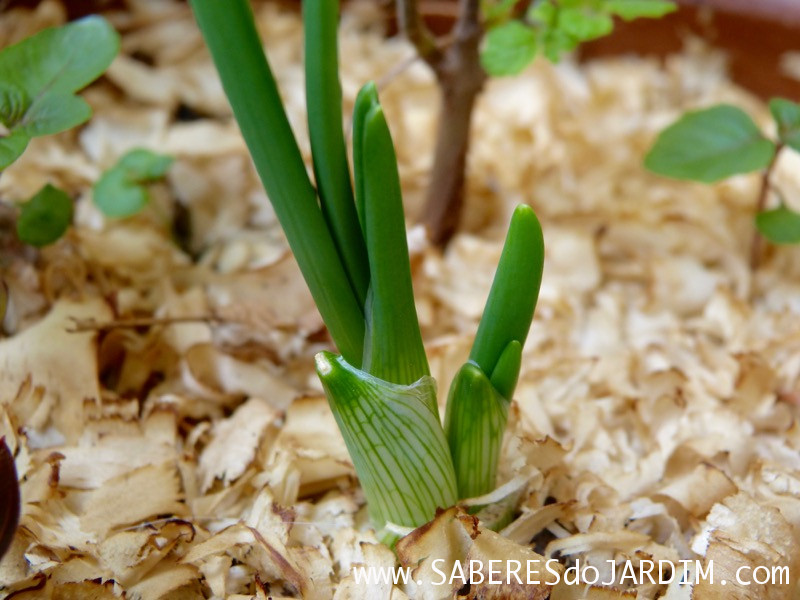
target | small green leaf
x=544, y=13
x=709, y=145
x=41, y=75
x=508, y=48
x=54, y=113
x=557, y=42
x=780, y=225
x=145, y=165
x=121, y=191
x=583, y=25
x=787, y=116
x=629, y=10
x=61, y=60
x=12, y=147
x=44, y=218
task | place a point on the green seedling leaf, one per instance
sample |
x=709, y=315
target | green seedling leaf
x=780, y=225
x=395, y=440
x=629, y=10
x=709, y=145
x=9, y=498
x=787, y=116
x=41, y=75
x=120, y=191
x=508, y=48
x=44, y=218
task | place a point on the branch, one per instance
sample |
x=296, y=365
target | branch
x=755, y=246
x=469, y=17
x=413, y=27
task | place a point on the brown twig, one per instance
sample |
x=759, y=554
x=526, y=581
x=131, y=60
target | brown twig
x=461, y=77
x=413, y=27
x=83, y=325
x=761, y=203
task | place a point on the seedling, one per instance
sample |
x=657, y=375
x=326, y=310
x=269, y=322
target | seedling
x=552, y=28
x=122, y=190
x=39, y=77
x=715, y=143
x=45, y=218
x=350, y=243
x=492, y=38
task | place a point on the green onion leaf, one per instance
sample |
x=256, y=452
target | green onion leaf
x=324, y=99
x=231, y=36
x=367, y=98
x=395, y=440
x=393, y=348
x=515, y=290
x=506, y=372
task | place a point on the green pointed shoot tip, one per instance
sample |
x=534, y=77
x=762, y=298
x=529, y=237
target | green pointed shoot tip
x=367, y=98
x=393, y=348
x=515, y=290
